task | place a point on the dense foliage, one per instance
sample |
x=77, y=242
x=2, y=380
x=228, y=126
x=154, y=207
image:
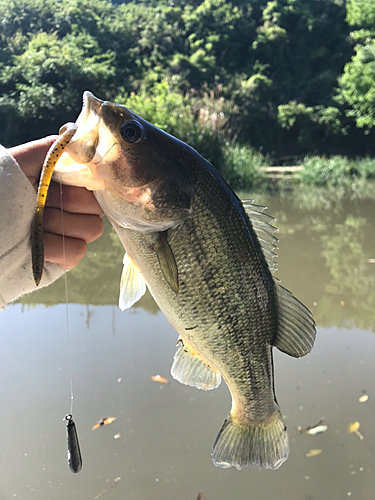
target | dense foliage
x=279, y=77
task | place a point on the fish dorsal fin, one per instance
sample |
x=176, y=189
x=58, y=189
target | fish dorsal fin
x=190, y=369
x=132, y=286
x=263, y=228
x=167, y=261
x=295, y=325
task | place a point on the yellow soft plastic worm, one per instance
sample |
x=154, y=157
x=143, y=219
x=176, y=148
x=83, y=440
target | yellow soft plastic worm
x=37, y=245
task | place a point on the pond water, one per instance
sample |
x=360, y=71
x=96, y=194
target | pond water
x=159, y=446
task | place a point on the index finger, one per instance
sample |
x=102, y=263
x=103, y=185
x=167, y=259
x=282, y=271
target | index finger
x=73, y=199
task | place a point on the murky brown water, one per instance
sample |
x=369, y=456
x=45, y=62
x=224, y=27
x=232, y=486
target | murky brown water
x=166, y=432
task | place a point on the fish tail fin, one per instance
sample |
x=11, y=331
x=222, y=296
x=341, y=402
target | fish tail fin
x=261, y=444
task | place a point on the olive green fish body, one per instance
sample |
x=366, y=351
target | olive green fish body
x=226, y=307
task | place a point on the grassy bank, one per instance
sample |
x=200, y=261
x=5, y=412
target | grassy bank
x=336, y=170
x=246, y=169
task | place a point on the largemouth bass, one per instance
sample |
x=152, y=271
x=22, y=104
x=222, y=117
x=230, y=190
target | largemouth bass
x=206, y=258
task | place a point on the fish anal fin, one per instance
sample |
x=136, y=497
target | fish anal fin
x=295, y=325
x=167, y=261
x=132, y=285
x=190, y=369
x=263, y=444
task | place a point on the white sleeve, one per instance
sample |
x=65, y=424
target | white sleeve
x=17, y=201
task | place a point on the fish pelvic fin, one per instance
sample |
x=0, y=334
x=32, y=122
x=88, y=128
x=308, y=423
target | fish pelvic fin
x=260, y=444
x=296, y=330
x=132, y=286
x=190, y=369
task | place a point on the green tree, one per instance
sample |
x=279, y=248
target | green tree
x=276, y=63
x=219, y=35
x=357, y=89
x=361, y=14
x=305, y=45
x=46, y=82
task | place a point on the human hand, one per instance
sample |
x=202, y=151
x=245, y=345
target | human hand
x=79, y=218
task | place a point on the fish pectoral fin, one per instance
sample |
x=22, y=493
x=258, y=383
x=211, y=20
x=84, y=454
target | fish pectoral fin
x=295, y=325
x=190, y=369
x=132, y=285
x=167, y=261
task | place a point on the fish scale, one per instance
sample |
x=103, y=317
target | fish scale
x=206, y=259
x=213, y=252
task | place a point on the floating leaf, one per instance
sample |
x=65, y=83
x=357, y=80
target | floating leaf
x=353, y=429
x=364, y=397
x=312, y=430
x=103, y=421
x=159, y=378
x=316, y=430
x=313, y=453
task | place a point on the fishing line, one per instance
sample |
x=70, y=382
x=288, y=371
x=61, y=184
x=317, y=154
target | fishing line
x=74, y=452
x=66, y=298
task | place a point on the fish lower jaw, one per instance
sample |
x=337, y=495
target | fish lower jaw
x=77, y=174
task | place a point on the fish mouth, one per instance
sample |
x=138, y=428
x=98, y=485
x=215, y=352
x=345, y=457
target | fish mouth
x=95, y=137
x=97, y=133
x=91, y=103
x=83, y=147
x=94, y=157
x=79, y=163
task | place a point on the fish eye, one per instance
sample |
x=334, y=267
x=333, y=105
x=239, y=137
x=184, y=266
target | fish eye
x=132, y=131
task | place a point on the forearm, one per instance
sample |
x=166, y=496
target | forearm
x=17, y=200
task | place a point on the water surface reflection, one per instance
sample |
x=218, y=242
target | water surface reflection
x=167, y=431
